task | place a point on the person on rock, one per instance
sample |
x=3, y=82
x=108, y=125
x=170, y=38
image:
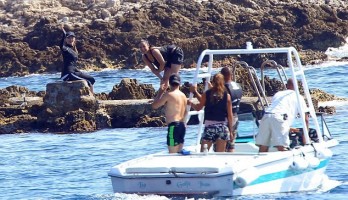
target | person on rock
x=70, y=57
x=175, y=111
x=168, y=58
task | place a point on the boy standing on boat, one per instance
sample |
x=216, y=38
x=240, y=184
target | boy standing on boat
x=236, y=93
x=175, y=111
x=279, y=116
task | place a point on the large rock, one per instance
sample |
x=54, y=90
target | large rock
x=131, y=89
x=68, y=107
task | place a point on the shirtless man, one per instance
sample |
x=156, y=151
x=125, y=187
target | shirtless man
x=175, y=111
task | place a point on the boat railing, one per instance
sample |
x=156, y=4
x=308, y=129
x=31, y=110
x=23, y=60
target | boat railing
x=280, y=70
x=297, y=73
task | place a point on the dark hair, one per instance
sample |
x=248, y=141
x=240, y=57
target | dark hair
x=226, y=71
x=144, y=41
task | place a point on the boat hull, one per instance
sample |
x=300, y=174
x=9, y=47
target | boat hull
x=221, y=174
x=206, y=186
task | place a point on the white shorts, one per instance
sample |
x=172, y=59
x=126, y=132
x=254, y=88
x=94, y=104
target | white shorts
x=273, y=131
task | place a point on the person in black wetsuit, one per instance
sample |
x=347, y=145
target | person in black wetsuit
x=168, y=58
x=217, y=105
x=70, y=56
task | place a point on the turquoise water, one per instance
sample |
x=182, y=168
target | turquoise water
x=75, y=166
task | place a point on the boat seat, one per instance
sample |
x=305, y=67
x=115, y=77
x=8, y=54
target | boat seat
x=246, y=147
x=131, y=170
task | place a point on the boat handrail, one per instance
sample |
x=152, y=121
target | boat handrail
x=283, y=77
x=291, y=53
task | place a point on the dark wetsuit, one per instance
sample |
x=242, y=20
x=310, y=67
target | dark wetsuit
x=176, y=133
x=70, y=71
x=215, y=112
x=171, y=55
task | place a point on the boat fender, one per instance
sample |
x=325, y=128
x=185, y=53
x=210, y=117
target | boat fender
x=323, y=153
x=313, y=162
x=299, y=164
x=247, y=176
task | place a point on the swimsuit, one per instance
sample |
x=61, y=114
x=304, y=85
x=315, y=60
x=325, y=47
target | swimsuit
x=216, y=131
x=176, y=133
x=171, y=55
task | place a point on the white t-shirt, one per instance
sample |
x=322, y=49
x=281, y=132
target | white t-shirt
x=285, y=102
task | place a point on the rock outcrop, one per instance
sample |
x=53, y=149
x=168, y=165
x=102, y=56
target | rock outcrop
x=131, y=89
x=70, y=107
x=108, y=31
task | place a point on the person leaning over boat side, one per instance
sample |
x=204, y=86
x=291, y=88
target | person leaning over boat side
x=175, y=112
x=168, y=58
x=70, y=56
x=216, y=102
x=236, y=93
x=279, y=116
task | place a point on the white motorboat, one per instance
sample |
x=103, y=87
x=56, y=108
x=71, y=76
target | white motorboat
x=245, y=171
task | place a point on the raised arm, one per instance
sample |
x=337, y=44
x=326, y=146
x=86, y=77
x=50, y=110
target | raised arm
x=63, y=38
x=201, y=103
x=193, y=89
x=160, y=99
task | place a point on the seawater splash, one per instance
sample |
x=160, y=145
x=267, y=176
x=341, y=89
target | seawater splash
x=339, y=52
x=335, y=103
x=328, y=184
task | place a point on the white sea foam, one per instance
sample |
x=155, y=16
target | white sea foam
x=339, y=52
x=328, y=184
x=333, y=103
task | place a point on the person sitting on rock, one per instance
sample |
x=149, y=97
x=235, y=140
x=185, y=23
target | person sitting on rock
x=70, y=56
x=168, y=58
x=175, y=112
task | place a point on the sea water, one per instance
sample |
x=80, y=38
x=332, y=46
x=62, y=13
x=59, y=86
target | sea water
x=75, y=166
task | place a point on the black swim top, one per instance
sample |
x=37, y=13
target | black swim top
x=215, y=111
x=69, y=57
x=165, y=51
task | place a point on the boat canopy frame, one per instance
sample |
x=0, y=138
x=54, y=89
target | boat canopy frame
x=297, y=74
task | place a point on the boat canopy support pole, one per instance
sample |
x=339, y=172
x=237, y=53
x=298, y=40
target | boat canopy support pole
x=310, y=108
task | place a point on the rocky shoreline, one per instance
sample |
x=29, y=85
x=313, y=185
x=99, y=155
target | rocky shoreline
x=70, y=107
x=108, y=31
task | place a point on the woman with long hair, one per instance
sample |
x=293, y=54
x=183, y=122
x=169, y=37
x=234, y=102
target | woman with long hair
x=70, y=56
x=168, y=58
x=217, y=105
